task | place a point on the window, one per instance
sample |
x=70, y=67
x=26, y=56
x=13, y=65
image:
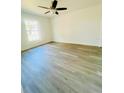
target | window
x=33, y=30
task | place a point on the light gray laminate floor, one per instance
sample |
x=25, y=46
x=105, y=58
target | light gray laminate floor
x=62, y=68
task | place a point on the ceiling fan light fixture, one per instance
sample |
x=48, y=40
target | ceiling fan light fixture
x=53, y=8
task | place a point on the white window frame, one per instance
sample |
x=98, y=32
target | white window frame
x=33, y=30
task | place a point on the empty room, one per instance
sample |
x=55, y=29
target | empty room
x=61, y=46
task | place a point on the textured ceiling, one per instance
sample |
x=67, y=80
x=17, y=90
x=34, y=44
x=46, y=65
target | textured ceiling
x=72, y=5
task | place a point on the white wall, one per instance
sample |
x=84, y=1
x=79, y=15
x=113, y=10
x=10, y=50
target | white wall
x=80, y=27
x=45, y=30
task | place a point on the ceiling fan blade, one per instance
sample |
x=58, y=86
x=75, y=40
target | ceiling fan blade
x=46, y=12
x=61, y=8
x=54, y=4
x=56, y=13
x=43, y=7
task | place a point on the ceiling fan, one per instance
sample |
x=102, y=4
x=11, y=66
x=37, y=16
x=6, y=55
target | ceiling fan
x=53, y=8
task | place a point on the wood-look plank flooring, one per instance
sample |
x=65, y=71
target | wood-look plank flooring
x=62, y=68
